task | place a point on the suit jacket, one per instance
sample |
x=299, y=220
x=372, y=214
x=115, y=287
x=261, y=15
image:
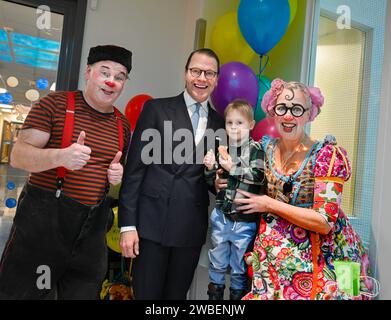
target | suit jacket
x=167, y=201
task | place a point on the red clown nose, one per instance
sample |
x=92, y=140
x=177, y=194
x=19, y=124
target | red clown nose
x=110, y=84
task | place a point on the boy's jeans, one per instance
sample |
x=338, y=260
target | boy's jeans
x=230, y=240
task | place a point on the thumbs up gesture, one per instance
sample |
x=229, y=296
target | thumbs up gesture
x=115, y=171
x=76, y=155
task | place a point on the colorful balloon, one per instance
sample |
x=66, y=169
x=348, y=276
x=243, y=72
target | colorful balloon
x=263, y=23
x=265, y=127
x=10, y=203
x=134, y=108
x=6, y=98
x=11, y=185
x=42, y=83
x=236, y=80
x=228, y=42
x=264, y=84
x=113, y=235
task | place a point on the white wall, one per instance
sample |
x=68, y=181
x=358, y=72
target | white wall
x=159, y=33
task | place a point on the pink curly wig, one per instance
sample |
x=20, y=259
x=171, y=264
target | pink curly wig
x=313, y=96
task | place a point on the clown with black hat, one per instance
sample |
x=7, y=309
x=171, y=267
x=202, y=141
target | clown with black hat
x=73, y=144
x=106, y=74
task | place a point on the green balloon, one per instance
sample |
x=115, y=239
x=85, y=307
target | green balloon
x=264, y=85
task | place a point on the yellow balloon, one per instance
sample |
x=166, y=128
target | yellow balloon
x=228, y=42
x=113, y=235
x=293, y=5
x=114, y=191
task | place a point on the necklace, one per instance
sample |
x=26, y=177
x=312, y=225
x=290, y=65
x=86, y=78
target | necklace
x=288, y=186
x=284, y=160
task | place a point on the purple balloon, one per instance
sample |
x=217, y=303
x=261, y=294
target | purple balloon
x=236, y=81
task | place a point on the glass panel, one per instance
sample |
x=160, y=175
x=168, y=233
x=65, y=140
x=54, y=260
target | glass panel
x=28, y=60
x=340, y=56
x=349, y=61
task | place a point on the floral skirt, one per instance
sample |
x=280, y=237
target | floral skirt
x=285, y=257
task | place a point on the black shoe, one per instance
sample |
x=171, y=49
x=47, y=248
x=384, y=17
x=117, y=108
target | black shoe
x=236, y=294
x=216, y=291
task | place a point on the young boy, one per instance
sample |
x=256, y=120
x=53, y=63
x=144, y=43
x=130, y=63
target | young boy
x=232, y=231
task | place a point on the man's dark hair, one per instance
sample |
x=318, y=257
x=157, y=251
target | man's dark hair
x=205, y=51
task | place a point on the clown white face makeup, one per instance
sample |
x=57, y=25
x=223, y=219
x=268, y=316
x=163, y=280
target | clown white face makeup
x=200, y=88
x=105, y=81
x=289, y=126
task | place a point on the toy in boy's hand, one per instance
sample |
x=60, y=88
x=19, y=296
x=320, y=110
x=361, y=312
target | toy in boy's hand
x=225, y=159
x=210, y=160
x=223, y=151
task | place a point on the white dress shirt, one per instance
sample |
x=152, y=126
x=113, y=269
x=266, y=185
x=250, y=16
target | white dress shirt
x=202, y=123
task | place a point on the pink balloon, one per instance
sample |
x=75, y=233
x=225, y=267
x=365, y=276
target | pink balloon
x=265, y=127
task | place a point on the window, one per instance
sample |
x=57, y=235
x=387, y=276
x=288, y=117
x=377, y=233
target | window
x=339, y=73
x=347, y=65
x=33, y=57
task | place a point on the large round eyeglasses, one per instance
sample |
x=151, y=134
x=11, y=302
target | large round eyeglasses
x=297, y=110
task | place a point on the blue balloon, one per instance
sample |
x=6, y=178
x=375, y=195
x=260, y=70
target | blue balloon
x=263, y=22
x=10, y=203
x=42, y=83
x=6, y=98
x=10, y=185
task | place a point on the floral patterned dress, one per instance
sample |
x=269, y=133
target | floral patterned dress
x=293, y=263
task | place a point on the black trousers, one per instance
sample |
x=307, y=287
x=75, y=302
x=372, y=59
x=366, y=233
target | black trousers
x=54, y=245
x=163, y=273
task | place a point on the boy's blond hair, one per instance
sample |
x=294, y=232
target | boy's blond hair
x=241, y=105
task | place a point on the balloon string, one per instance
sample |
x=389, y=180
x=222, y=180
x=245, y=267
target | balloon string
x=267, y=86
x=262, y=67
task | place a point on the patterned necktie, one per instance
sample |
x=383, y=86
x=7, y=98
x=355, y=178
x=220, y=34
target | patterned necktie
x=195, y=117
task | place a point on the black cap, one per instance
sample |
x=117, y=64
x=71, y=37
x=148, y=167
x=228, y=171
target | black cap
x=111, y=53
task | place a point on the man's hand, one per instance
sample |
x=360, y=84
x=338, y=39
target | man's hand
x=226, y=163
x=116, y=170
x=77, y=155
x=129, y=244
x=219, y=182
x=209, y=159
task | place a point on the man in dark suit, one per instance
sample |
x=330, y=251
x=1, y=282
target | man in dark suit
x=163, y=208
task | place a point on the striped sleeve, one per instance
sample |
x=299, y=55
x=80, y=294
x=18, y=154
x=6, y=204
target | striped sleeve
x=41, y=114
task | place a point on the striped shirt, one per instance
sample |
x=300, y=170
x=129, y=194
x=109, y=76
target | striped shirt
x=89, y=184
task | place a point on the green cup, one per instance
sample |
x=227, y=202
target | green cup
x=348, y=277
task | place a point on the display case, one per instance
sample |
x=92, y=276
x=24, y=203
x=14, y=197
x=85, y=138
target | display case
x=8, y=138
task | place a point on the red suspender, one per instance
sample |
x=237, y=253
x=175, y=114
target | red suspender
x=68, y=132
x=66, y=138
x=120, y=130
